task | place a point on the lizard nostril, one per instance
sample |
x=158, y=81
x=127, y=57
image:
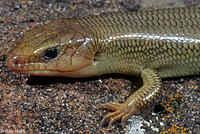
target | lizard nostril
x=15, y=62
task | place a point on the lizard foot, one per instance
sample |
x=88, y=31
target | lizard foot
x=121, y=111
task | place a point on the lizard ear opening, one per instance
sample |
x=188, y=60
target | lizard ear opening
x=97, y=56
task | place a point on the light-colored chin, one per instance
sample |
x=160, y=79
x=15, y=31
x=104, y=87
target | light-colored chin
x=85, y=72
x=88, y=71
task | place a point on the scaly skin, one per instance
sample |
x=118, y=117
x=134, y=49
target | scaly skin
x=153, y=44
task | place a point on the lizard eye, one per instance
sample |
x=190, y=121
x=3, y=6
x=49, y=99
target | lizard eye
x=51, y=53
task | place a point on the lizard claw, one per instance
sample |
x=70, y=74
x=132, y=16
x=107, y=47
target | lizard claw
x=121, y=112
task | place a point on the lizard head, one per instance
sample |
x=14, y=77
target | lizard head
x=60, y=48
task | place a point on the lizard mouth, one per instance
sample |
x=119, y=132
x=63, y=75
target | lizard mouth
x=21, y=64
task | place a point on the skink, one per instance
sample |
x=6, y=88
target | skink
x=152, y=44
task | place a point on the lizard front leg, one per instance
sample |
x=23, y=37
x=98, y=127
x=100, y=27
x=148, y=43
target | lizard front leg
x=147, y=94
